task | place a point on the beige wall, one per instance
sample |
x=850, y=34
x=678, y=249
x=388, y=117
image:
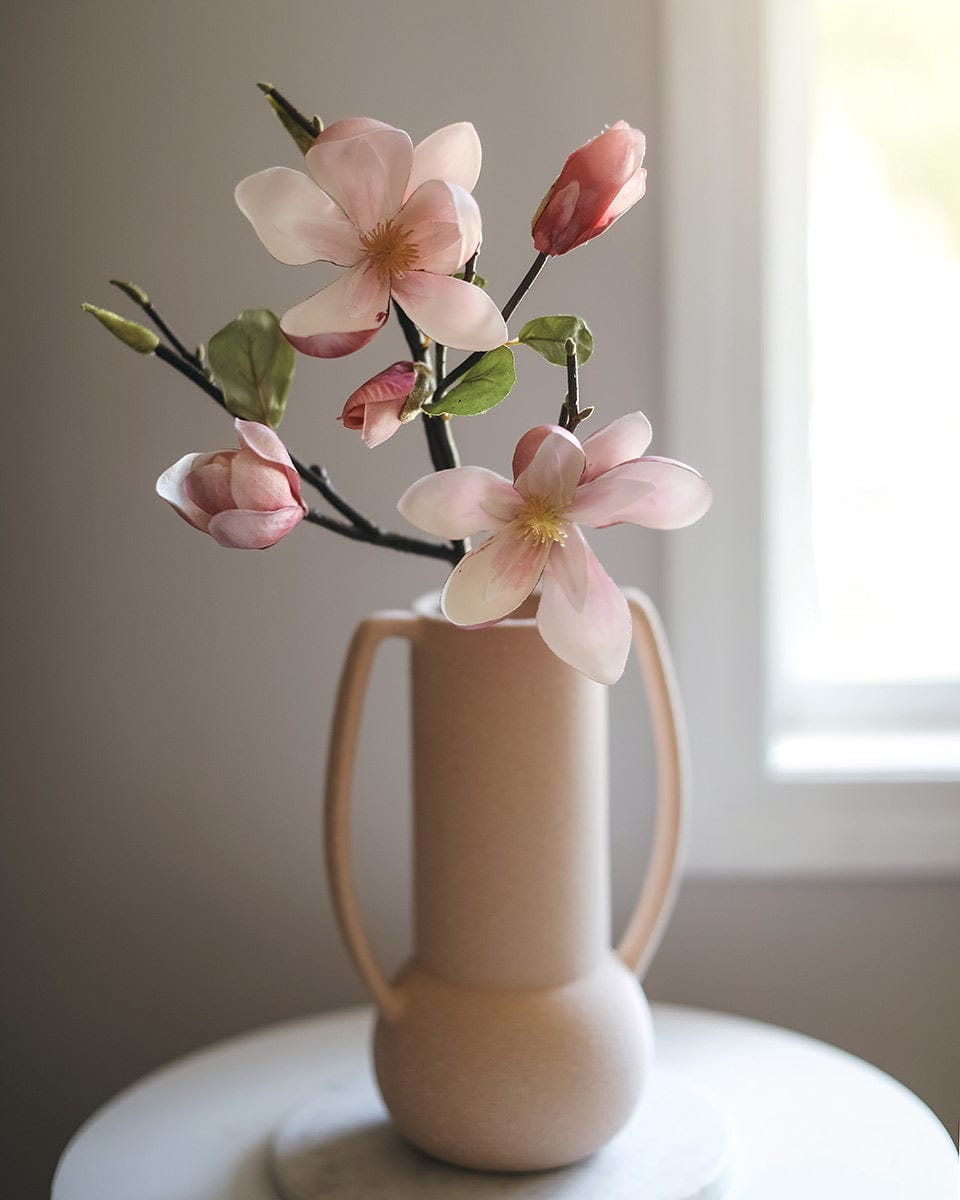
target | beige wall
x=168, y=700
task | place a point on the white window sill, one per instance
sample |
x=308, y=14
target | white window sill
x=872, y=756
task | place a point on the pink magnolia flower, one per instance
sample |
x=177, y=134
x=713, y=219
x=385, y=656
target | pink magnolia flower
x=375, y=407
x=246, y=499
x=401, y=220
x=598, y=183
x=557, y=486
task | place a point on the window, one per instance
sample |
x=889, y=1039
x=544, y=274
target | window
x=862, y=394
x=768, y=380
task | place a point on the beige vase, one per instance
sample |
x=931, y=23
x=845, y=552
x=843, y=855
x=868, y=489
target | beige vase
x=515, y=1038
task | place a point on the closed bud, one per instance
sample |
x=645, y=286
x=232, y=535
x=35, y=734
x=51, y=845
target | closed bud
x=598, y=183
x=378, y=407
x=137, y=337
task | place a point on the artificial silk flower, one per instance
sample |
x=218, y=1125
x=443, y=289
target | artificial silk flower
x=376, y=407
x=557, y=486
x=246, y=499
x=400, y=219
x=598, y=183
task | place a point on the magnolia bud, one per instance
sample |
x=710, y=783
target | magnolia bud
x=598, y=183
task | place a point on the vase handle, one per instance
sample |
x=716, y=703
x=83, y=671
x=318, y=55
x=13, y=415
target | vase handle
x=340, y=759
x=648, y=922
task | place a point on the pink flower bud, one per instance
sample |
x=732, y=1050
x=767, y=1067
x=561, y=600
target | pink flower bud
x=375, y=407
x=598, y=183
x=246, y=499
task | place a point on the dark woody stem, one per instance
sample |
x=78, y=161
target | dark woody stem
x=570, y=415
x=443, y=451
x=359, y=528
x=381, y=537
x=506, y=312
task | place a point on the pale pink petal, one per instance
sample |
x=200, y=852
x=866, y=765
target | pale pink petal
x=332, y=345
x=350, y=127
x=326, y=313
x=451, y=311
x=240, y=529
x=366, y=292
x=267, y=446
x=527, y=447
x=444, y=223
x=599, y=502
x=595, y=637
x=555, y=468
x=380, y=422
x=210, y=484
x=568, y=564
x=655, y=492
x=621, y=441
x=258, y=486
x=367, y=175
x=170, y=487
x=452, y=153
x=460, y=502
x=262, y=440
x=295, y=220
x=632, y=191
x=493, y=580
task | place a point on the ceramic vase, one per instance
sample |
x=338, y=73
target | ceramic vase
x=516, y=1038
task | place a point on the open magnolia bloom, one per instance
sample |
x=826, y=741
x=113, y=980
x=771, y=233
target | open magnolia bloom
x=401, y=220
x=557, y=486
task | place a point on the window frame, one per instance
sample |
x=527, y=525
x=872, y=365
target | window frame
x=734, y=334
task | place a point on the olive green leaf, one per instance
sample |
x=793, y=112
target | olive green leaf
x=253, y=363
x=303, y=130
x=137, y=337
x=486, y=383
x=548, y=336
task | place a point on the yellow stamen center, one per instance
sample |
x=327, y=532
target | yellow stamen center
x=389, y=249
x=541, y=520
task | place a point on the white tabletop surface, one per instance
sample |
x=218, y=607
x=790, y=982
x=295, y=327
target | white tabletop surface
x=810, y=1122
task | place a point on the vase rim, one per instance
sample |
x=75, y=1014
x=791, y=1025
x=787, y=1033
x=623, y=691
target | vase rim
x=428, y=607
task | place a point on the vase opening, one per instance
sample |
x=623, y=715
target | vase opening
x=428, y=606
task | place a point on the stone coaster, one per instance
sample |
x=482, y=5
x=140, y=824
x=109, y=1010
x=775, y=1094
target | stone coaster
x=340, y=1146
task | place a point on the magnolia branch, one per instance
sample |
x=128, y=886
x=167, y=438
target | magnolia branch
x=356, y=526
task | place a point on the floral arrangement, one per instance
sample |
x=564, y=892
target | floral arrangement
x=402, y=222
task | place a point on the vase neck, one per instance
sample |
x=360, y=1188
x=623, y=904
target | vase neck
x=510, y=809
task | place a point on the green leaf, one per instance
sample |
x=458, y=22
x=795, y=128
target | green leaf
x=548, y=336
x=253, y=363
x=483, y=386
x=137, y=337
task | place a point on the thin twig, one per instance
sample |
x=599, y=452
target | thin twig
x=382, y=537
x=143, y=301
x=329, y=493
x=440, y=444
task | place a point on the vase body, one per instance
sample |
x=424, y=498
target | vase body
x=515, y=1038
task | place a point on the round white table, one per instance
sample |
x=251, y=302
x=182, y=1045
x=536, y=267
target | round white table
x=808, y=1121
